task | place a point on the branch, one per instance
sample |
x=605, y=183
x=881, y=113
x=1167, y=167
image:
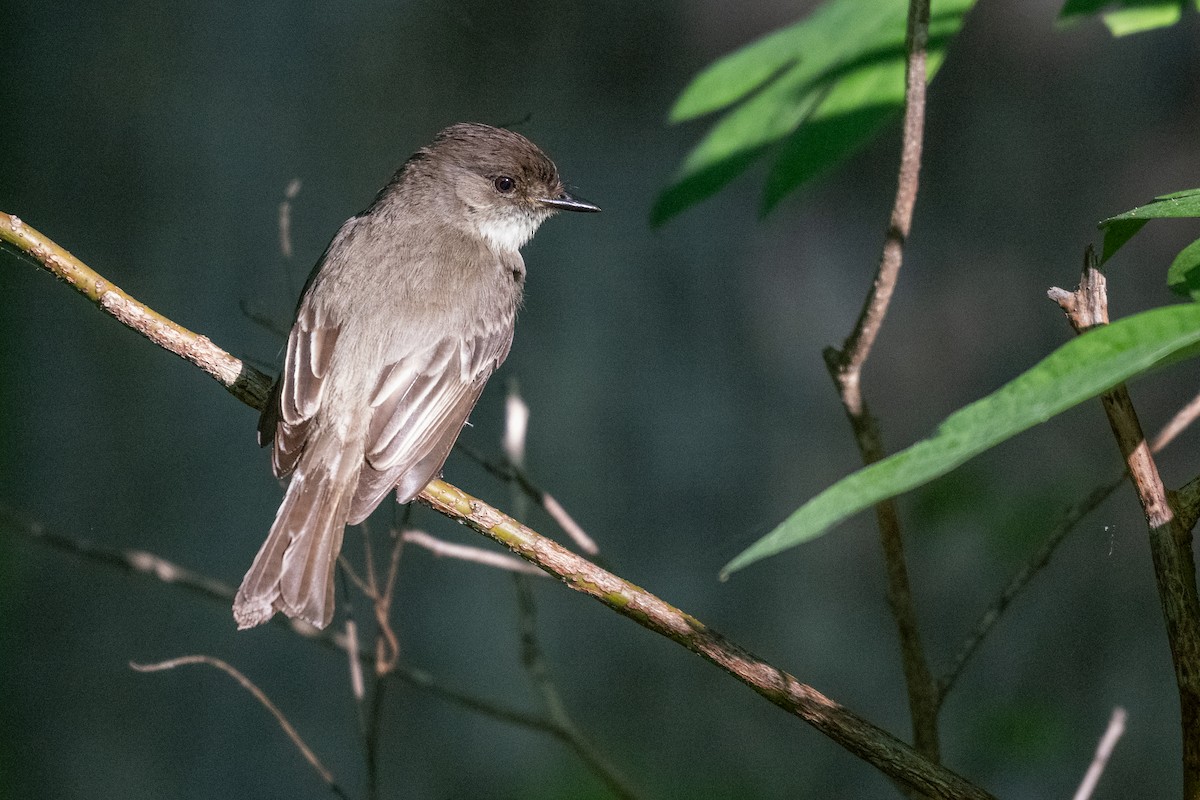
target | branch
x=1066, y=523
x=511, y=473
x=845, y=367
x=262, y=698
x=168, y=572
x=566, y=729
x=285, y=217
x=1170, y=539
x=129, y=560
x=243, y=381
x=462, y=552
x=1108, y=742
x=870, y=743
x=890, y=755
x=516, y=429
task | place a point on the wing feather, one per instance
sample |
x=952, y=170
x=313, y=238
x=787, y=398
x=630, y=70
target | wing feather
x=421, y=404
x=300, y=388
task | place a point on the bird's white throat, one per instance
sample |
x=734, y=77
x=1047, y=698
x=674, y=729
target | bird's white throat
x=510, y=228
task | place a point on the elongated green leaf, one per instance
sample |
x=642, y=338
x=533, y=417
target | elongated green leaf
x=1134, y=19
x=846, y=59
x=735, y=142
x=1080, y=369
x=853, y=112
x=1126, y=16
x=1120, y=229
x=733, y=77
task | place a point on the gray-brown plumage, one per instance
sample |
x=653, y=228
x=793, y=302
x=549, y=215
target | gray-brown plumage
x=404, y=318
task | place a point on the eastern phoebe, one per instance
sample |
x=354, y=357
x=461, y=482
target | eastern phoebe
x=400, y=324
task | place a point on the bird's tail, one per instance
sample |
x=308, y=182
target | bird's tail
x=293, y=571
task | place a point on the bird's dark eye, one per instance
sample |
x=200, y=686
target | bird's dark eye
x=504, y=184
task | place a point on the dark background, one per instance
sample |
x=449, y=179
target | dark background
x=680, y=405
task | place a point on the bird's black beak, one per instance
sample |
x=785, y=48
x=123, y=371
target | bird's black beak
x=566, y=202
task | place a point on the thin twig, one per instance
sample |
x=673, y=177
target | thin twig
x=387, y=648
x=387, y=656
x=175, y=575
x=1066, y=523
x=888, y=754
x=845, y=367
x=262, y=698
x=1170, y=540
x=462, y=552
x=138, y=561
x=389, y=585
x=987, y=621
x=263, y=320
x=1183, y=418
x=1104, y=750
x=358, y=684
x=285, y=217
x=516, y=430
x=373, y=737
x=352, y=575
x=565, y=727
x=508, y=472
x=568, y=524
x=369, y=558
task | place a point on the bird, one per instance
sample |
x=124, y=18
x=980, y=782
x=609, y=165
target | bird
x=405, y=316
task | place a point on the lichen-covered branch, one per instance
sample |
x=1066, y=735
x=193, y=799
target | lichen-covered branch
x=894, y=758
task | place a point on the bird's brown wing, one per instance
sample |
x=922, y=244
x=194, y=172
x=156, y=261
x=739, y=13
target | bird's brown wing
x=420, y=405
x=297, y=394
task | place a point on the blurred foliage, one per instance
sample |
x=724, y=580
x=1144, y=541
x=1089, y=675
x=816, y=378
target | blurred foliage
x=1126, y=16
x=1027, y=732
x=811, y=94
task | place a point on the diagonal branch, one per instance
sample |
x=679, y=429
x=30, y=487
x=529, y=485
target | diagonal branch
x=539, y=672
x=262, y=698
x=1170, y=538
x=845, y=367
x=1104, y=751
x=516, y=475
x=891, y=756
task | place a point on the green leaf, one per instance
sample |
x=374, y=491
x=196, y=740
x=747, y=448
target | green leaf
x=1134, y=19
x=1120, y=229
x=853, y=112
x=733, y=77
x=825, y=83
x=734, y=144
x=1127, y=16
x=1081, y=369
x=1184, y=275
